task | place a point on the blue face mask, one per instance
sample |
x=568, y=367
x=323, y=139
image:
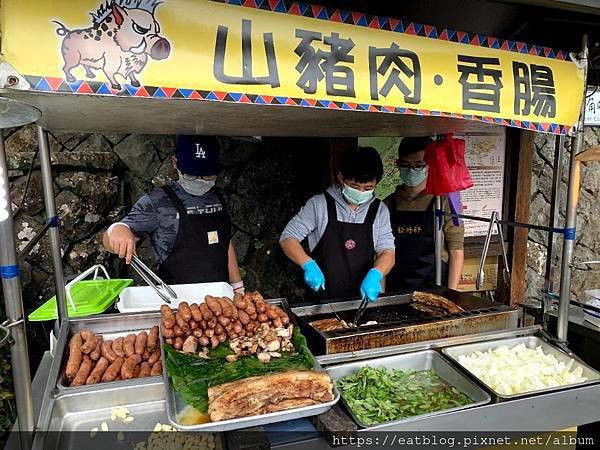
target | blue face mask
x=412, y=177
x=356, y=197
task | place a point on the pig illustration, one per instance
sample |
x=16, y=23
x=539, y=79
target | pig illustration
x=123, y=35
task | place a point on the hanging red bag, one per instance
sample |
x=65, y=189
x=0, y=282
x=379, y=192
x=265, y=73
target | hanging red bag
x=447, y=170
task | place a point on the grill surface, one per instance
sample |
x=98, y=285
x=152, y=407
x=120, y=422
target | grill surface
x=399, y=323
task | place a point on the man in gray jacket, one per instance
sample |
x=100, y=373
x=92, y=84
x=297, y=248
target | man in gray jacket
x=349, y=233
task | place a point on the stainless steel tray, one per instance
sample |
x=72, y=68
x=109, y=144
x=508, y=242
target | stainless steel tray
x=530, y=342
x=74, y=414
x=175, y=403
x=424, y=360
x=110, y=326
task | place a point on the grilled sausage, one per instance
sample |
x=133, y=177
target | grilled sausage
x=128, y=367
x=178, y=343
x=145, y=369
x=156, y=369
x=184, y=311
x=98, y=371
x=154, y=356
x=196, y=314
x=140, y=343
x=117, y=347
x=205, y=311
x=83, y=372
x=214, y=305
x=129, y=344
x=75, y=356
x=97, y=352
x=152, y=339
x=113, y=370
x=108, y=352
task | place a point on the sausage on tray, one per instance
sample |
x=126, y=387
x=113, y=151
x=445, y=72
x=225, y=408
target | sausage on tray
x=98, y=371
x=129, y=344
x=128, y=367
x=75, y=357
x=108, y=352
x=152, y=339
x=113, y=370
x=117, y=346
x=140, y=342
x=84, y=371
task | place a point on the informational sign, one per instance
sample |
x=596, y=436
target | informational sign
x=484, y=155
x=592, y=107
x=287, y=53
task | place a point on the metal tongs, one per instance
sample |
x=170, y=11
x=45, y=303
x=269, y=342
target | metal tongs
x=494, y=222
x=360, y=311
x=163, y=290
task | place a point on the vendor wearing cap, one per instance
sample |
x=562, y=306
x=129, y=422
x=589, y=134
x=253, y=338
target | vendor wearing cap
x=187, y=221
x=412, y=216
x=348, y=230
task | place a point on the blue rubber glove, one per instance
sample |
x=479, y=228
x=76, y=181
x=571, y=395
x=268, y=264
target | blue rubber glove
x=313, y=275
x=371, y=285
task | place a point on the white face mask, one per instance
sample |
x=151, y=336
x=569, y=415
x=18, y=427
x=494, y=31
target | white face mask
x=197, y=187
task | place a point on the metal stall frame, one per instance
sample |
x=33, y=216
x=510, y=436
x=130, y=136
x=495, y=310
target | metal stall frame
x=10, y=270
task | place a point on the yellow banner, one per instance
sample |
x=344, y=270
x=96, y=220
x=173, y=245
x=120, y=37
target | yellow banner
x=200, y=49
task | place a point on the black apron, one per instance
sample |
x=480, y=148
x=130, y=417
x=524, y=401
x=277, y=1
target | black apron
x=414, y=233
x=200, y=254
x=345, y=253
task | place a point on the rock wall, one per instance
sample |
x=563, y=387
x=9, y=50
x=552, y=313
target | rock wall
x=588, y=222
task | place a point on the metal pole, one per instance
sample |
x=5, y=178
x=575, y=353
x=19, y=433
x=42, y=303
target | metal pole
x=438, y=218
x=571, y=213
x=53, y=233
x=13, y=302
x=554, y=217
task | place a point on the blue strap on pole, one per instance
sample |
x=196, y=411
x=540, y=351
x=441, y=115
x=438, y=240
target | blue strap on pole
x=53, y=221
x=570, y=233
x=8, y=272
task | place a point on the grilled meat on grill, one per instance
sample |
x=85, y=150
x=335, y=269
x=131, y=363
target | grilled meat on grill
x=435, y=301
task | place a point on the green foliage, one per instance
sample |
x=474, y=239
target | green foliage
x=377, y=395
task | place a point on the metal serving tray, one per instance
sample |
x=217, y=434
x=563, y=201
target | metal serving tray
x=175, y=404
x=74, y=414
x=109, y=326
x=530, y=342
x=419, y=361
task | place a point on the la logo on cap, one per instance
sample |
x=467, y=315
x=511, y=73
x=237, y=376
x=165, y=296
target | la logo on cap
x=200, y=153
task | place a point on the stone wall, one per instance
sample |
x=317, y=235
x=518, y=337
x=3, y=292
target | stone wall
x=588, y=222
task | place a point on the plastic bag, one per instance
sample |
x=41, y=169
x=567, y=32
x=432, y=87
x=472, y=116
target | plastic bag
x=447, y=170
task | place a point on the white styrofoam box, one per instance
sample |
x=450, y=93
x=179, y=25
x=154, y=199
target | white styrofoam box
x=144, y=298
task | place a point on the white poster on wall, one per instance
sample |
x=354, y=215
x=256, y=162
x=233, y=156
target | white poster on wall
x=484, y=155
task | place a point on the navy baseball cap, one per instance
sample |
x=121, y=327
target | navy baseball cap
x=198, y=155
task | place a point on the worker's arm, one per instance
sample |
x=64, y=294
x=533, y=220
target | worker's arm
x=385, y=261
x=294, y=251
x=454, y=240
x=120, y=241
x=456, y=261
x=235, y=278
x=121, y=237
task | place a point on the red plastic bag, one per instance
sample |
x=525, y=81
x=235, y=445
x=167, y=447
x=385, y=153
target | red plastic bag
x=447, y=170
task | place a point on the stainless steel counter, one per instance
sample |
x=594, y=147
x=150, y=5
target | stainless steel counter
x=535, y=413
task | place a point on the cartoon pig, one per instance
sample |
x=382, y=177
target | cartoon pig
x=123, y=35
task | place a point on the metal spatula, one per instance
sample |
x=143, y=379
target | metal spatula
x=163, y=290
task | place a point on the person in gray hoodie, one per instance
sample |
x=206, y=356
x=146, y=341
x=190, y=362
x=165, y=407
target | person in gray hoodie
x=350, y=238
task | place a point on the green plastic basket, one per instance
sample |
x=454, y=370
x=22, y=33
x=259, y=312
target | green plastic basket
x=90, y=297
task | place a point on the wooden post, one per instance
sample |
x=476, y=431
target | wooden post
x=522, y=204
